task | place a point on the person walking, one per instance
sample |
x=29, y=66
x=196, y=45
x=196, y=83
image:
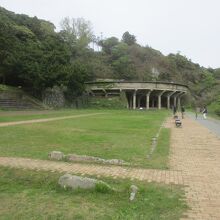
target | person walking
x=204, y=112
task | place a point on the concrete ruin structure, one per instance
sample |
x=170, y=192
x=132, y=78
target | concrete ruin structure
x=144, y=95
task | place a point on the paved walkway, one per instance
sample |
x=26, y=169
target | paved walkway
x=196, y=152
x=194, y=162
x=150, y=175
x=210, y=123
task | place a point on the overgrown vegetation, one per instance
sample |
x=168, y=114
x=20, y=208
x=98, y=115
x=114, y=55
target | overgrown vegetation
x=36, y=57
x=36, y=195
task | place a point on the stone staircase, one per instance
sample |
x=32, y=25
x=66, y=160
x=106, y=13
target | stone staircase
x=18, y=101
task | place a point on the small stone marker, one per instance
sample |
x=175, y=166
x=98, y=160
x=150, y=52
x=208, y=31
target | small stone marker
x=134, y=190
x=56, y=155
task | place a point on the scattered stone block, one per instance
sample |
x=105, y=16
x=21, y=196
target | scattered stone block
x=78, y=182
x=116, y=162
x=56, y=155
x=78, y=158
x=134, y=190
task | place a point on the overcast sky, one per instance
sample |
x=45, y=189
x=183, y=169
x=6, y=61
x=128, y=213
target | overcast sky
x=191, y=27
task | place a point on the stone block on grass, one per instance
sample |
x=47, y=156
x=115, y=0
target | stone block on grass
x=56, y=155
x=78, y=182
x=133, y=193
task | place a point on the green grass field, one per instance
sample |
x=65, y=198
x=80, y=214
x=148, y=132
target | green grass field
x=114, y=134
x=36, y=195
x=8, y=116
x=118, y=134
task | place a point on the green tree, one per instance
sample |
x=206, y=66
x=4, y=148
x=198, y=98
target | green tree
x=77, y=33
x=128, y=38
x=108, y=44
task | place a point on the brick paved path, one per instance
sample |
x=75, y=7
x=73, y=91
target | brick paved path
x=150, y=175
x=194, y=162
x=196, y=152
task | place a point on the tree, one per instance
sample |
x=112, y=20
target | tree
x=128, y=38
x=76, y=75
x=77, y=33
x=108, y=44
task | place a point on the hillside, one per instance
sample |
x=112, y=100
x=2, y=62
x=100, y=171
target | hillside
x=34, y=56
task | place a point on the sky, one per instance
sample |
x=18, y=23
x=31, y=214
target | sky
x=188, y=27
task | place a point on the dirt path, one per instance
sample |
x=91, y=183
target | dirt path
x=3, y=124
x=194, y=162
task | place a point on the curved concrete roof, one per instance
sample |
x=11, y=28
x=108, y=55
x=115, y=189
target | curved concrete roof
x=136, y=85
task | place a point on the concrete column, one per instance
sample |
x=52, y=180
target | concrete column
x=148, y=100
x=178, y=101
x=168, y=99
x=159, y=102
x=134, y=99
x=168, y=102
x=159, y=99
x=130, y=102
x=174, y=101
x=128, y=106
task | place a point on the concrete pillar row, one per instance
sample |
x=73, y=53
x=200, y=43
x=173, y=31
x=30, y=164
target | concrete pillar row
x=148, y=99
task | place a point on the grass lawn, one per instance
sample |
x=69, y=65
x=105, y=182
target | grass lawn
x=116, y=134
x=8, y=116
x=36, y=195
